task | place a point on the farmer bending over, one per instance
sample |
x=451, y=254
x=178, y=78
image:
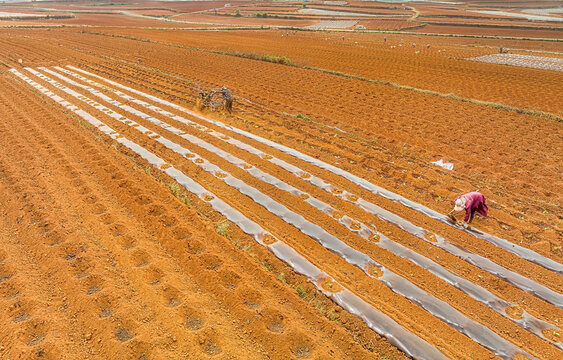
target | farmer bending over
x=471, y=202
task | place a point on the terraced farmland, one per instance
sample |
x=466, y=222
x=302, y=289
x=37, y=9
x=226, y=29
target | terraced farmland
x=309, y=223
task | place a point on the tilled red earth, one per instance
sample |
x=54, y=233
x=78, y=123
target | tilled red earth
x=135, y=226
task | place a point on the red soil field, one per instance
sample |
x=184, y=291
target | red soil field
x=503, y=23
x=186, y=6
x=461, y=17
x=110, y=249
x=377, y=5
x=444, y=74
x=99, y=20
x=363, y=10
x=166, y=304
x=232, y=20
x=154, y=12
x=489, y=31
x=386, y=24
x=515, y=3
x=259, y=8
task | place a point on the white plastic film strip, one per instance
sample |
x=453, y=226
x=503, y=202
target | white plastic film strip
x=516, y=279
x=411, y=344
x=396, y=283
x=523, y=252
x=532, y=324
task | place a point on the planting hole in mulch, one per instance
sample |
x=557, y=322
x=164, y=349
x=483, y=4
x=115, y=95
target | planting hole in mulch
x=553, y=335
x=355, y=226
x=269, y=239
x=431, y=237
x=375, y=237
x=375, y=271
x=352, y=197
x=330, y=286
x=337, y=215
x=515, y=312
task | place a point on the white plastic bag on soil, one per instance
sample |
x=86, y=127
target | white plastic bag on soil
x=445, y=165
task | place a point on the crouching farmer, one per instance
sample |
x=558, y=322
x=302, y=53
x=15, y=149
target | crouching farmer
x=471, y=202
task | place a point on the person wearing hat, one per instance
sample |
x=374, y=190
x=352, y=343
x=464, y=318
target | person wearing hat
x=471, y=202
x=228, y=97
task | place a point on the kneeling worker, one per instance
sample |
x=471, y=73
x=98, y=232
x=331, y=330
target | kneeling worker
x=471, y=202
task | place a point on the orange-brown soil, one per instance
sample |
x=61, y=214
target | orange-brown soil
x=440, y=67
x=232, y=20
x=480, y=30
x=99, y=20
x=104, y=256
x=386, y=24
x=100, y=260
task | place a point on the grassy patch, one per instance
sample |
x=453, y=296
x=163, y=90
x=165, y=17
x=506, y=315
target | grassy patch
x=301, y=291
x=174, y=188
x=276, y=59
x=332, y=316
x=222, y=228
x=301, y=116
x=268, y=58
x=85, y=124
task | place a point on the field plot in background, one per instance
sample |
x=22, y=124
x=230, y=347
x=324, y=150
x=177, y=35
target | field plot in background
x=395, y=60
x=333, y=24
x=536, y=62
x=307, y=223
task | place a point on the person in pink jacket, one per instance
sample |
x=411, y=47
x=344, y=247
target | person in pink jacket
x=471, y=202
